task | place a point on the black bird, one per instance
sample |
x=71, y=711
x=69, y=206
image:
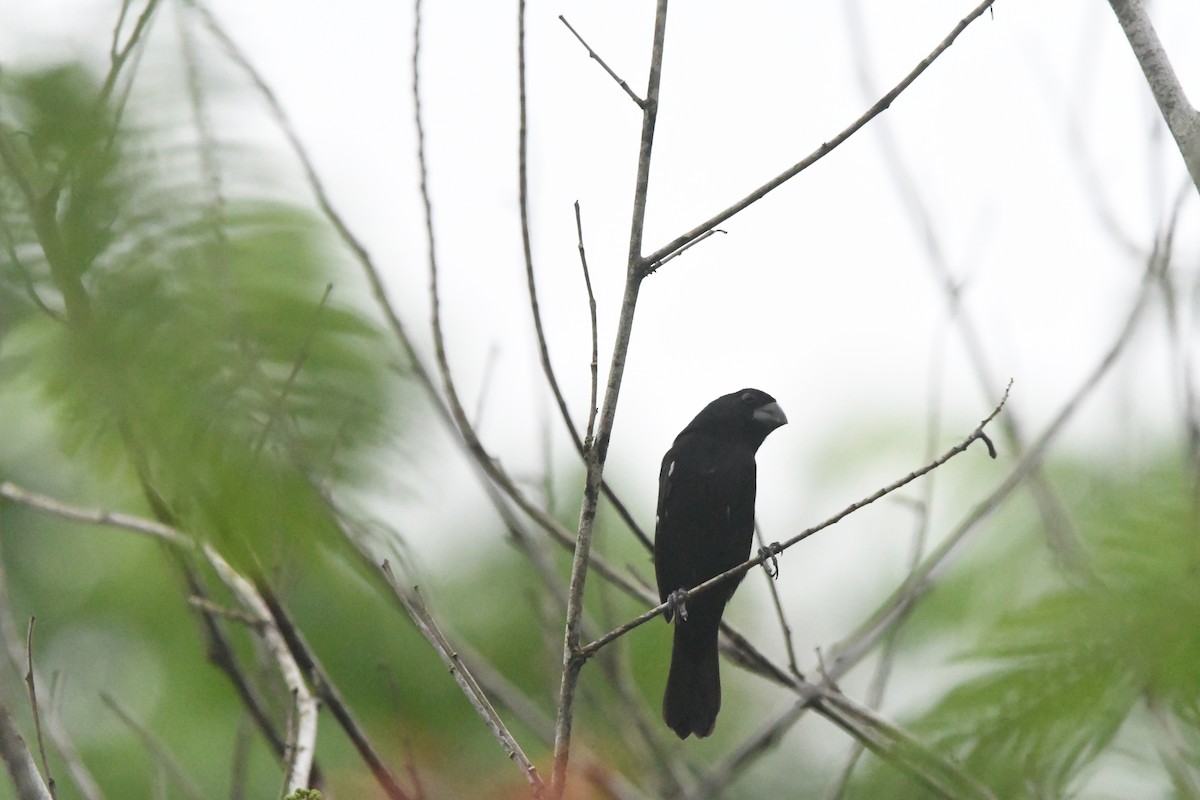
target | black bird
x=705, y=525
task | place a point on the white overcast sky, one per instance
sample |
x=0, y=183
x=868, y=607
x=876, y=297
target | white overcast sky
x=1030, y=126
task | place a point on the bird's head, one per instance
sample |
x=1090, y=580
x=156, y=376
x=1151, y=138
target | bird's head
x=749, y=414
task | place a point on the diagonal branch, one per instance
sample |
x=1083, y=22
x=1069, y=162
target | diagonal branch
x=416, y=609
x=825, y=149
x=1181, y=117
x=776, y=548
x=1060, y=535
x=19, y=761
x=900, y=603
x=596, y=56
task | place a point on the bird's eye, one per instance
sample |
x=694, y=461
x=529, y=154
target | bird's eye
x=746, y=397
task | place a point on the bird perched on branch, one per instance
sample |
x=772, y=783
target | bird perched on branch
x=705, y=526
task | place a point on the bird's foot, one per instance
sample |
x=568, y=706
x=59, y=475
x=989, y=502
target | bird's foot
x=769, y=555
x=677, y=605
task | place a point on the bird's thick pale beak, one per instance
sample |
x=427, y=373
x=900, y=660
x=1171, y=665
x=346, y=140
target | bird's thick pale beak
x=770, y=416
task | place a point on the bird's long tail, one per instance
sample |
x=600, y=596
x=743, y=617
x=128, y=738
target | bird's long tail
x=693, y=695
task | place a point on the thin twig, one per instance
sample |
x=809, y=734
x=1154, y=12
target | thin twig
x=632, y=94
x=425, y=623
x=902, y=749
x=86, y=784
x=31, y=683
x=595, y=364
x=221, y=655
x=158, y=750
x=96, y=516
x=784, y=627
x=825, y=149
x=119, y=55
x=976, y=435
x=655, y=266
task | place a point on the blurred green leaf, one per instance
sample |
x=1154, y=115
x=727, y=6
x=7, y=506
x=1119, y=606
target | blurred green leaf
x=205, y=346
x=1064, y=675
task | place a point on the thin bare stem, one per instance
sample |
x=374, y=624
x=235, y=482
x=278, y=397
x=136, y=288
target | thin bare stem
x=425, y=623
x=31, y=683
x=157, y=749
x=655, y=266
x=86, y=784
x=597, y=455
x=825, y=149
x=595, y=363
x=620, y=82
x=93, y=516
x=118, y=55
x=784, y=627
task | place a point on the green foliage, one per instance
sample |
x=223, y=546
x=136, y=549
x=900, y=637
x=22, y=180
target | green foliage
x=199, y=345
x=161, y=340
x=1063, y=680
x=304, y=794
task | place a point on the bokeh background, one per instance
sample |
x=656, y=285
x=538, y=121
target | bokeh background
x=995, y=223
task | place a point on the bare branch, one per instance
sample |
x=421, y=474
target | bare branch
x=595, y=364
x=19, y=761
x=331, y=697
x=785, y=629
x=632, y=94
x=118, y=55
x=157, y=749
x=299, y=769
x=425, y=623
x=776, y=548
x=31, y=683
x=655, y=266
x=95, y=516
x=88, y=788
x=825, y=149
x=1181, y=117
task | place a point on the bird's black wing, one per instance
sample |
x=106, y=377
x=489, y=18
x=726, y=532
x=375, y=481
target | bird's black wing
x=705, y=519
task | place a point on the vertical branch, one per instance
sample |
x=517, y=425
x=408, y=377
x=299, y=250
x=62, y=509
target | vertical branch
x=595, y=456
x=31, y=682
